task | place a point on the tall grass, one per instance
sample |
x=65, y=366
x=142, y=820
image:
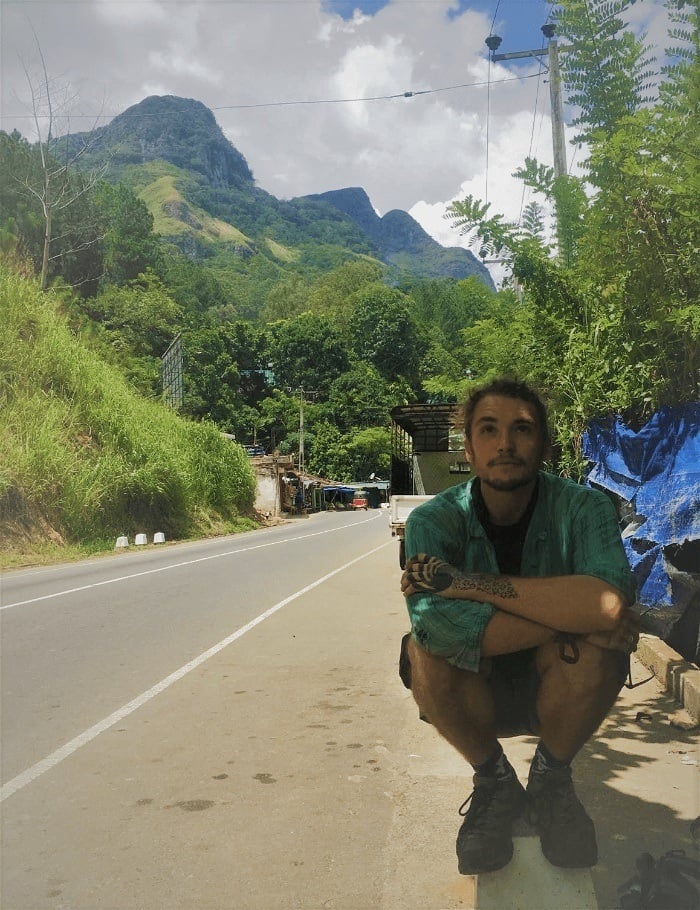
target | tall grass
x=86, y=452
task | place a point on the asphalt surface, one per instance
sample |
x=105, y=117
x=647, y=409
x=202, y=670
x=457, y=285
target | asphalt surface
x=221, y=725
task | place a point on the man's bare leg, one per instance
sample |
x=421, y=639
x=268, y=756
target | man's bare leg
x=573, y=699
x=457, y=703
x=460, y=706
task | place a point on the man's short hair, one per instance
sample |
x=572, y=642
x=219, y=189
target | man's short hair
x=508, y=388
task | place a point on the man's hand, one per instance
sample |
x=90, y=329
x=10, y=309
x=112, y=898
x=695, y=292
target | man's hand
x=622, y=638
x=430, y=574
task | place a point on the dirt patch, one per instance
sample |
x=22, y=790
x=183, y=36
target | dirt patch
x=267, y=520
x=23, y=525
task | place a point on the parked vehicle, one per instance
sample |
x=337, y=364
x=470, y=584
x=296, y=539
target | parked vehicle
x=254, y=450
x=360, y=500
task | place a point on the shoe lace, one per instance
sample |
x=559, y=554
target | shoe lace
x=480, y=807
x=463, y=808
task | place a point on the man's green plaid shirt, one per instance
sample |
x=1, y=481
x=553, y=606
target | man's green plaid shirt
x=573, y=531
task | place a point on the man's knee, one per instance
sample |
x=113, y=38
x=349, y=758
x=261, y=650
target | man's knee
x=437, y=685
x=583, y=668
x=427, y=669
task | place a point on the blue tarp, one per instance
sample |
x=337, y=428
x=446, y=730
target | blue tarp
x=655, y=474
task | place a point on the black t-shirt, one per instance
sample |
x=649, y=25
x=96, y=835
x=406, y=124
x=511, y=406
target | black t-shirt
x=507, y=540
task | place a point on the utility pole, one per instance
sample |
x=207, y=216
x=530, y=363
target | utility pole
x=493, y=42
x=301, y=429
x=302, y=392
x=557, y=108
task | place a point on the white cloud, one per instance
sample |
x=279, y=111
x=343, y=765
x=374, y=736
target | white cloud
x=180, y=64
x=371, y=71
x=334, y=25
x=130, y=13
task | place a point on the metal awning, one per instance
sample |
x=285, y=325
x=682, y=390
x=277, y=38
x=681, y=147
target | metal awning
x=428, y=425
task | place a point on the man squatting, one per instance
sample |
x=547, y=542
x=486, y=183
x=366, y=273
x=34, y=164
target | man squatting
x=519, y=594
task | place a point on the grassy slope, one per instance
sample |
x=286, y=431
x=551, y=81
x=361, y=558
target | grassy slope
x=83, y=458
x=173, y=215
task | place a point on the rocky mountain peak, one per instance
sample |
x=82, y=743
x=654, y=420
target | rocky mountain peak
x=181, y=131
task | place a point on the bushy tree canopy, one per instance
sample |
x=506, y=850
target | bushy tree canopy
x=308, y=352
x=385, y=334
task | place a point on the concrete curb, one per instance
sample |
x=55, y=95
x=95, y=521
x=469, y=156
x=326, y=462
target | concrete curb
x=679, y=676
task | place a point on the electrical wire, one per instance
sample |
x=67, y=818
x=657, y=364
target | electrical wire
x=298, y=102
x=529, y=151
x=488, y=112
x=542, y=69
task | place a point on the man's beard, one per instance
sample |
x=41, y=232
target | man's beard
x=507, y=486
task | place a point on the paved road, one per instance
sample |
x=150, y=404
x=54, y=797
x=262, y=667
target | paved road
x=205, y=726
x=219, y=725
x=80, y=641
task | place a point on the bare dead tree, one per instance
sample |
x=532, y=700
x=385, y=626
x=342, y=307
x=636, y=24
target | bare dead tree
x=54, y=189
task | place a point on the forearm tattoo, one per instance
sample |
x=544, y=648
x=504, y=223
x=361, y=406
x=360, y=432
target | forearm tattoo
x=497, y=585
x=433, y=574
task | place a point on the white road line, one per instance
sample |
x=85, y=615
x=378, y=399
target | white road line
x=179, y=565
x=46, y=764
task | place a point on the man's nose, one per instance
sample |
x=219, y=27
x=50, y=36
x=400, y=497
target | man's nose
x=506, y=442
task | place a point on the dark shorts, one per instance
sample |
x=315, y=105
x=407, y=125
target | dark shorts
x=514, y=681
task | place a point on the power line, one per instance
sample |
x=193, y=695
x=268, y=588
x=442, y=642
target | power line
x=532, y=140
x=488, y=113
x=298, y=102
x=408, y=94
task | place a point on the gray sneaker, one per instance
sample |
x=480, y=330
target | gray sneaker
x=485, y=840
x=566, y=831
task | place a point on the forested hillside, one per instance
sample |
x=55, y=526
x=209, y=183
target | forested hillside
x=202, y=195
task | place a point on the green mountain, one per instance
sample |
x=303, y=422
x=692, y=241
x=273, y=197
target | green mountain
x=204, y=200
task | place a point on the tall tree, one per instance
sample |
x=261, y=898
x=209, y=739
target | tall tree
x=308, y=352
x=385, y=334
x=129, y=245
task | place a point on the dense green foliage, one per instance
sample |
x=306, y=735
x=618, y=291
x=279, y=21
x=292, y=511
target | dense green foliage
x=329, y=335
x=613, y=323
x=89, y=455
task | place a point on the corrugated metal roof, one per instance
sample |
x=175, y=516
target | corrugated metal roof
x=426, y=421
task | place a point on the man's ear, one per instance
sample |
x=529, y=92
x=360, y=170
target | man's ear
x=467, y=450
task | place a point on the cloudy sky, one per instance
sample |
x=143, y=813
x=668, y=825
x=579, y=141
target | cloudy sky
x=307, y=89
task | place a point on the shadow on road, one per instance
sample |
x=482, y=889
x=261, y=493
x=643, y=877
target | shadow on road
x=638, y=777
